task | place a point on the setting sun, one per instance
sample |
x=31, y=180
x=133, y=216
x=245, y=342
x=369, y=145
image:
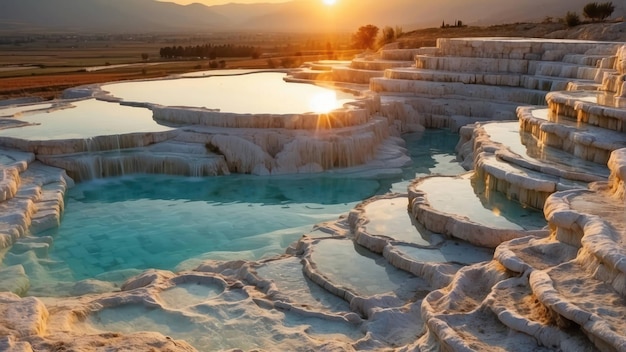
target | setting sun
x=329, y=2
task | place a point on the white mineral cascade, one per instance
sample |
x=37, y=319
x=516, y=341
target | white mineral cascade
x=446, y=266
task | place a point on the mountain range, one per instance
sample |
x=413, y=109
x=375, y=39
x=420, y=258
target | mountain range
x=142, y=16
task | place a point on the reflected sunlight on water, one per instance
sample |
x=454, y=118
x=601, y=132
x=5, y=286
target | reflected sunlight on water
x=250, y=93
x=324, y=102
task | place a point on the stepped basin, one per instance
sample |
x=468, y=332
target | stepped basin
x=82, y=120
x=404, y=87
x=600, y=109
x=465, y=209
x=480, y=330
x=452, y=112
x=187, y=294
x=356, y=76
x=471, y=64
x=458, y=319
x=528, y=187
x=461, y=196
x=211, y=318
x=389, y=217
x=328, y=64
x=187, y=159
x=565, y=70
x=583, y=59
x=594, y=305
x=384, y=225
x=522, y=48
x=242, y=326
x=517, y=307
x=352, y=268
x=14, y=111
x=600, y=230
x=15, y=159
x=240, y=94
x=500, y=79
x=548, y=83
x=529, y=153
x=32, y=198
x=585, y=141
x=378, y=64
x=400, y=54
x=451, y=251
x=291, y=285
x=526, y=253
x=544, y=83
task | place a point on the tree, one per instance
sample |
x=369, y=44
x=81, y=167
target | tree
x=144, y=56
x=389, y=35
x=572, y=19
x=399, y=32
x=598, y=11
x=606, y=10
x=365, y=37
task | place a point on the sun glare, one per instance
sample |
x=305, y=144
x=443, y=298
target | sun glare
x=324, y=102
x=329, y=2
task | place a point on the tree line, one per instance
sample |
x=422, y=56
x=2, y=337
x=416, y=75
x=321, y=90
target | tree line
x=594, y=11
x=365, y=37
x=209, y=51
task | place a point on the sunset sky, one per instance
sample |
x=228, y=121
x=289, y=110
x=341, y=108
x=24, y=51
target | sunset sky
x=221, y=2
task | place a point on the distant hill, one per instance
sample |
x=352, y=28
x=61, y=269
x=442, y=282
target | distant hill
x=106, y=16
x=348, y=15
x=291, y=16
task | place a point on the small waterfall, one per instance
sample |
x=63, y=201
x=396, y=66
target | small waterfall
x=110, y=164
x=196, y=170
x=119, y=159
x=89, y=166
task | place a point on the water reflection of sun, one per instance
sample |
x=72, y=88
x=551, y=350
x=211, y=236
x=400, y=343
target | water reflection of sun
x=323, y=102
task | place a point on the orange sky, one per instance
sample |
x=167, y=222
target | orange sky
x=220, y=2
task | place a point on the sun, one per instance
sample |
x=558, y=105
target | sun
x=329, y=2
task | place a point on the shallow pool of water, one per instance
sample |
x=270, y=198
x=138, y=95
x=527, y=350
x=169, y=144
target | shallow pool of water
x=149, y=221
x=13, y=110
x=84, y=119
x=463, y=197
x=152, y=221
x=253, y=93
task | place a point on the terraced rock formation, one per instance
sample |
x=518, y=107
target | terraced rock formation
x=563, y=291
x=456, y=263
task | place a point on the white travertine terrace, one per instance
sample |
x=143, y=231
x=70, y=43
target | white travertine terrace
x=442, y=267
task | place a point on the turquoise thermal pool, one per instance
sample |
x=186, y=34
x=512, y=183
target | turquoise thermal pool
x=129, y=222
x=147, y=221
x=257, y=93
x=114, y=228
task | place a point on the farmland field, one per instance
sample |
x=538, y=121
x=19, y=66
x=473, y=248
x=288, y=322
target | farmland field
x=44, y=65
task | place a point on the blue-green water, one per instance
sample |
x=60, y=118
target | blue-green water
x=149, y=221
x=156, y=221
